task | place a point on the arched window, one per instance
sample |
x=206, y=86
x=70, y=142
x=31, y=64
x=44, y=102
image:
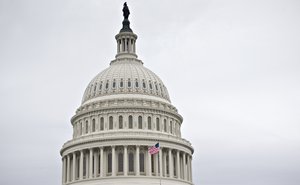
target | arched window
x=100, y=87
x=171, y=127
x=120, y=162
x=101, y=123
x=114, y=84
x=121, y=83
x=129, y=83
x=142, y=162
x=86, y=126
x=109, y=163
x=131, y=162
x=136, y=83
x=149, y=123
x=157, y=124
x=150, y=85
x=130, y=124
x=120, y=122
x=140, y=119
x=95, y=87
x=80, y=128
x=93, y=125
x=165, y=125
x=111, y=123
x=106, y=86
x=144, y=84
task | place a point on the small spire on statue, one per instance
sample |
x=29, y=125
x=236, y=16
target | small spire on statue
x=126, y=23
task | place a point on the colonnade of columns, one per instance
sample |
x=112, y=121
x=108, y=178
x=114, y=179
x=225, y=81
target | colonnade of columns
x=126, y=45
x=124, y=161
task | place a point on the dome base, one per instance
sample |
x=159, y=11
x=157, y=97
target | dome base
x=131, y=180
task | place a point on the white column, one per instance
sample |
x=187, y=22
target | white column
x=149, y=173
x=137, y=158
x=188, y=168
x=101, y=162
x=121, y=45
x=91, y=163
x=165, y=164
x=113, y=165
x=81, y=165
x=96, y=162
x=170, y=163
x=160, y=162
x=126, y=48
x=118, y=46
x=125, y=167
x=68, y=168
x=178, y=165
x=86, y=165
x=64, y=170
x=74, y=167
x=184, y=167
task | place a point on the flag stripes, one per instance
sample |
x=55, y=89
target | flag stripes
x=154, y=149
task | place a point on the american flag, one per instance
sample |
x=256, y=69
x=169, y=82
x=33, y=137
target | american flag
x=154, y=149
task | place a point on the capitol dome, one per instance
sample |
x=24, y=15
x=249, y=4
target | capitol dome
x=126, y=77
x=126, y=131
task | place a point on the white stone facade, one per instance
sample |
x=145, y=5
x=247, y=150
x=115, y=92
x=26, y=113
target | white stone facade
x=125, y=110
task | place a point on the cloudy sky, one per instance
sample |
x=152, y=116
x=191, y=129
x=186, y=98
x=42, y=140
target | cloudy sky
x=232, y=69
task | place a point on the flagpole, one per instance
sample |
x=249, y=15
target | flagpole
x=154, y=150
x=159, y=166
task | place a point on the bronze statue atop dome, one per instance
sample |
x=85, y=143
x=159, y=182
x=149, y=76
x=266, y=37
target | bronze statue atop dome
x=126, y=23
x=126, y=11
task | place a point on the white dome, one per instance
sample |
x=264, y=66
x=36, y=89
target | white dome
x=126, y=77
x=125, y=111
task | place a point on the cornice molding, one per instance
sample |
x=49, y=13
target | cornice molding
x=127, y=136
x=93, y=109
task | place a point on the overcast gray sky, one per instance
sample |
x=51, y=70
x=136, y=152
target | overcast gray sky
x=231, y=68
